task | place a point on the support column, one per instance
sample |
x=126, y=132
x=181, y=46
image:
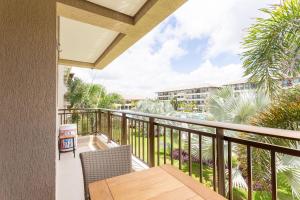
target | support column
x=27, y=99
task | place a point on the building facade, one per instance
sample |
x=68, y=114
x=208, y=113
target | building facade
x=246, y=86
x=241, y=86
x=194, y=96
x=198, y=95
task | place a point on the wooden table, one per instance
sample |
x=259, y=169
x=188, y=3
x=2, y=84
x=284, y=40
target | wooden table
x=165, y=182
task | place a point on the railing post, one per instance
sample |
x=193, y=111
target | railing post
x=109, y=129
x=99, y=119
x=64, y=116
x=96, y=122
x=220, y=161
x=92, y=124
x=124, y=129
x=151, y=143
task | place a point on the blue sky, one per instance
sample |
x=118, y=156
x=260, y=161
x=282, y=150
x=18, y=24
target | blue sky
x=193, y=57
x=200, y=43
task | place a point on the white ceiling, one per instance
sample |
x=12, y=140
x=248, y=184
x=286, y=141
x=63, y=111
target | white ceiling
x=128, y=7
x=83, y=42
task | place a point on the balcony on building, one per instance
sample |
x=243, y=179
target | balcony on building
x=37, y=38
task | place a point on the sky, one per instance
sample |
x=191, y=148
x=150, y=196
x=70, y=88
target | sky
x=198, y=44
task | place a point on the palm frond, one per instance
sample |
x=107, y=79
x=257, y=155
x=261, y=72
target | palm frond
x=271, y=47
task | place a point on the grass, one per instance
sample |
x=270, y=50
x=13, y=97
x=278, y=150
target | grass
x=207, y=172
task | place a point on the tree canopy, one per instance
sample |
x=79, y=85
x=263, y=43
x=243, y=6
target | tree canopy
x=272, y=46
x=223, y=105
x=283, y=112
x=88, y=95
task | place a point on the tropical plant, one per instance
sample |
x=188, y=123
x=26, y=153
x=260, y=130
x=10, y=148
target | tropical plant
x=76, y=93
x=187, y=106
x=272, y=46
x=174, y=103
x=225, y=106
x=283, y=112
x=110, y=100
x=154, y=107
x=93, y=95
x=88, y=95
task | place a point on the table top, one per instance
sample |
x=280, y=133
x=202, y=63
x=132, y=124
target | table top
x=165, y=182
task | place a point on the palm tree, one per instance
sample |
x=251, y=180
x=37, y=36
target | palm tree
x=174, y=103
x=283, y=112
x=76, y=93
x=225, y=106
x=89, y=95
x=109, y=100
x=256, y=109
x=272, y=46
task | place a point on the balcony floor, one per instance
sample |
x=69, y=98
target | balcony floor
x=69, y=173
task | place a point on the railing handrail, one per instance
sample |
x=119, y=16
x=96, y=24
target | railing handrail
x=136, y=128
x=256, y=130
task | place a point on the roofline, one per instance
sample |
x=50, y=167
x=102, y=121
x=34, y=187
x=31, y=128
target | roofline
x=130, y=29
x=188, y=88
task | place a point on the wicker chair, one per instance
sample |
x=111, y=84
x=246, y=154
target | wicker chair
x=103, y=164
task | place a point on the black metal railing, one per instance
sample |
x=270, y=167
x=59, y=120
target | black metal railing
x=157, y=139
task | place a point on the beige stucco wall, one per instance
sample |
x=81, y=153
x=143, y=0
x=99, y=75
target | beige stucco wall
x=61, y=87
x=27, y=99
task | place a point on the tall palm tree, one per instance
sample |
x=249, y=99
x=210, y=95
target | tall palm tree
x=272, y=46
x=256, y=109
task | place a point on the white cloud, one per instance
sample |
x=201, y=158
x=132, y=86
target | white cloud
x=223, y=22
x=134, y=82
x=142, y=70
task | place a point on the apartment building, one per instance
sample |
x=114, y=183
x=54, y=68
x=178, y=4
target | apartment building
x=196, y=95
x=241, y=86
x=246, y=86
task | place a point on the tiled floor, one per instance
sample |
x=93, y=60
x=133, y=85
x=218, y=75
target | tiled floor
x=69, y=174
